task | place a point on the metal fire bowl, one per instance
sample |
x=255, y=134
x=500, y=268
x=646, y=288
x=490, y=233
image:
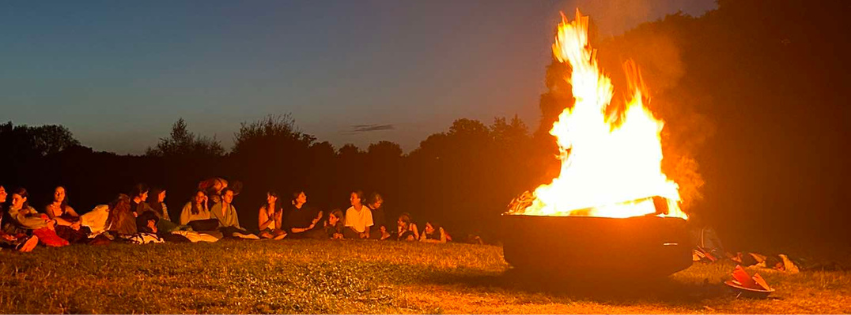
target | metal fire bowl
x=648, y=246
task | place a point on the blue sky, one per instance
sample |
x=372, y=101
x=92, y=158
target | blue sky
x=119, y=73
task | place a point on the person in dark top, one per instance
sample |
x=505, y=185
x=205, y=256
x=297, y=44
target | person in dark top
x=378, y=218
x=138, y=198
x=334, y=225
x=301, y=221
x=405, y=229
x=148, y=222
x=156, y=203
x=433, y=233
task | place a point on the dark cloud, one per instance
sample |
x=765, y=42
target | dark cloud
x=368, y=128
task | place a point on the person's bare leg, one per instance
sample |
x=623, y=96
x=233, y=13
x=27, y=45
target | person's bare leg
x=29, y=244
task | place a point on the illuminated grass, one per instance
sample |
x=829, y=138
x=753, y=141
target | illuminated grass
x=360, y=277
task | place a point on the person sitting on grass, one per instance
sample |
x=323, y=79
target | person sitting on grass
x=138, y=198
x=24, y=219
x=380, y=223
x=121, y=219
x=358, y=218
x=334, y=225
x=68, y=223
x=225, y=212
x=302, y=219
x=196, y=215
x=433, y=233
x=196, y=209
x=269, y=220
x=156, y=204
x=19, y=241
x=147, y=231
x=405, y=229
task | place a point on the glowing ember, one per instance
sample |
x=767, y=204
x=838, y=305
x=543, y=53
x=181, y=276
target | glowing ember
x=611, y=166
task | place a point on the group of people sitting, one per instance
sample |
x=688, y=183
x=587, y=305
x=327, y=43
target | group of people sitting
x=142, y=217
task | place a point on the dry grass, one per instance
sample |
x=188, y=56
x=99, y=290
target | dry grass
x=364, y=277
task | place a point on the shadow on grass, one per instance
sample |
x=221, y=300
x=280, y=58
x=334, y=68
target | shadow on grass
x=593, y=288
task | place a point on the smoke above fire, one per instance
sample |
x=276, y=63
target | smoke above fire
x=614, y=17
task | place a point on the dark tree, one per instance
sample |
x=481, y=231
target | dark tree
x=183, y=143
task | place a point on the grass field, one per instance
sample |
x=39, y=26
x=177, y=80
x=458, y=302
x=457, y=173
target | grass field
x=363, y=277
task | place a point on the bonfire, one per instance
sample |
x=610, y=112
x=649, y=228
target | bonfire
x=611, y=165
x=611, y=198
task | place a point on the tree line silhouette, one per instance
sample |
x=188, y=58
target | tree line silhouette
x=756, y=129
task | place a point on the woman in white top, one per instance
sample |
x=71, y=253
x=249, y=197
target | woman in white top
x=358, y=217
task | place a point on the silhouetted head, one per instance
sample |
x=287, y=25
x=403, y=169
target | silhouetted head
x=140, y=191
x=375, y=200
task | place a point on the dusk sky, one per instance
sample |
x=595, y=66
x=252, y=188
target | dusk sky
x=119, y=73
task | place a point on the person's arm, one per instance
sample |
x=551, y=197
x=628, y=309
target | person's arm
x=442, y=236
x=70, y=211
x=76, y=224
x=62, y=222
x=416, y=232
x=369, y=222
x=185, y=213
x=29, y=222
x=165, y=213
x=300, y=230
x=235, y=217
x=338, y=231
x=59, y=221
x=49, y=211
x=279, y=218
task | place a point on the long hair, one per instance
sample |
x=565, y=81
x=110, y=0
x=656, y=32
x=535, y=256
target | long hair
x=153, y=202
x=406, y=219
x=64, y=203
x=118, y=208
x=195, y=209
x=277, y=206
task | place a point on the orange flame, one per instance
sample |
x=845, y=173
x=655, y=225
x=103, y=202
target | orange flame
x=608, y=169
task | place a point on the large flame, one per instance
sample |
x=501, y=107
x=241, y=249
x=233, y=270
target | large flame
x=611, y=165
